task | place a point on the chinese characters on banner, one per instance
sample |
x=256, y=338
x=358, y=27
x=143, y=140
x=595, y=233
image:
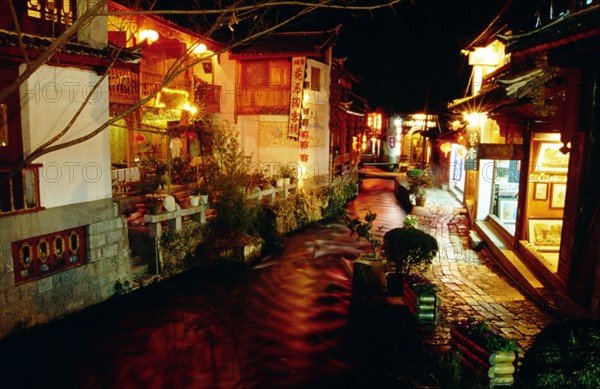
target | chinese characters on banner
x=297, y=84
x=472, y=144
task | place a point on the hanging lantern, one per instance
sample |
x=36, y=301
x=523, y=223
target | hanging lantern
x=139, y=138
x=446, y=148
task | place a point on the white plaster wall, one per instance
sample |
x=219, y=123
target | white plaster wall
x=318, y=162
x=50, y=98
x=224, y=73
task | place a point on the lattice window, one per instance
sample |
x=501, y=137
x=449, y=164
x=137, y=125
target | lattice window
x=47, y=254
x=255, y=74
x=56, y=11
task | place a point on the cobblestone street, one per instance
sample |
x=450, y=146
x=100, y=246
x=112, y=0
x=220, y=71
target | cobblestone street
x=471, y=283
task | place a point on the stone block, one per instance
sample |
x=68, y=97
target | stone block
x=98, y=282
x=81, y=288
x=111, y=250
x=7, y=281
x=56, y=311
x=38, y=302
x=114, y=236
x=75, y=304
x=68, y=277
x=44, y=285
x=59, y=296
x=95, y=254
x=57, y=280
x=97, y=240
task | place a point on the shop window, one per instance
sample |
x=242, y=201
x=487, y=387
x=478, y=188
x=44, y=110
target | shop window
x=547, y=192
x=506, y=191
x=48, y=254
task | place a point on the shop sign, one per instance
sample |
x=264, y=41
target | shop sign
x=296, y=89
x=471, y=157
x=392, y=142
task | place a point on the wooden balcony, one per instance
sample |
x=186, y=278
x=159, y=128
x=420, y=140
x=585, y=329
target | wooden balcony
x=128, y=87
x=21, y=192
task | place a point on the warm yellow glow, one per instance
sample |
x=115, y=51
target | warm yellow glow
x=199, y=48
x=175, y=98
x=446, y=148
x=475, y=118
x=148, y=35
x=485, y=56
x=461, y=151
x=305, y=98
x=374, y=121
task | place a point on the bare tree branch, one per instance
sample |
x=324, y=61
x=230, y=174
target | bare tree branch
x=323, y=5
x=51, y=50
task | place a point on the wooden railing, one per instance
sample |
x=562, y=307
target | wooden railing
x=127, y=87
x=21, y=191
x=151, y=81
x=210, y=95
x=123, y=86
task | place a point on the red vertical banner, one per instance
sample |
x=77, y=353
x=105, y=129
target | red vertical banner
x=297, y=84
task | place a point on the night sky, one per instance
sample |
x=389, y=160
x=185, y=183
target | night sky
x=408, y=58
x=410, y=61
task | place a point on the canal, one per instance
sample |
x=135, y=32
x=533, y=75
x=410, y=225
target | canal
x=291, y=321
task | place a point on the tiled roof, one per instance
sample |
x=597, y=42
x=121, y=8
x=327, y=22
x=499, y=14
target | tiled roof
x=288, y=43
x=570, y=28
x=32, y=42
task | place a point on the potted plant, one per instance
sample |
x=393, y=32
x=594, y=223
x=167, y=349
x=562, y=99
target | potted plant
x=409, y=249
x=485, y=351
x=421, y=298
x=367, y=267
x=286, y=172
x=418, y=183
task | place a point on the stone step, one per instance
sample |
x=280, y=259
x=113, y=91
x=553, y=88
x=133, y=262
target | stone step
x=140, y=270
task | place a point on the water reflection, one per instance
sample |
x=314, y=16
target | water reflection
x=286, y=323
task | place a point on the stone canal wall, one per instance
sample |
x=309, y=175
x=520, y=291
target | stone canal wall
x=26, y=302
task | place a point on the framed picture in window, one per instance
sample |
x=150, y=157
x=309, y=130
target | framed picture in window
x=550, y=159
x=545, y=234
x=558, y=195
x=540, y=191
x=507, y=210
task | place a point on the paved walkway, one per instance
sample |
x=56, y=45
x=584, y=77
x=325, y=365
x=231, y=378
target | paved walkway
x=471, y=283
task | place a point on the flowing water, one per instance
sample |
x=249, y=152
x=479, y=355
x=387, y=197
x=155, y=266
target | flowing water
x=289, y=322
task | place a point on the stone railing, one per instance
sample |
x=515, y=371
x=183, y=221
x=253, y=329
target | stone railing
x=175, y=218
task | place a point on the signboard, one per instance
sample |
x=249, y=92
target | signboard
x=296, y=89
x=471, y=157
x=392, y=142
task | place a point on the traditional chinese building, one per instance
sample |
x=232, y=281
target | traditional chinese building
x=529, y=146
x=282, y=107
x=62, y=245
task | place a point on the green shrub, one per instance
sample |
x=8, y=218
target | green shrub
x=410, y=249
x=564, y=355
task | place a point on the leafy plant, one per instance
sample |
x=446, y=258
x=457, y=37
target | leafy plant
x=410, y=221
x=364, y=229
x=337, y=195
x=479, y=332
x=410, y=249
x=286, y=171
x=418, y=182
x=565, y=354
x=228, y=175
x=422, y=285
